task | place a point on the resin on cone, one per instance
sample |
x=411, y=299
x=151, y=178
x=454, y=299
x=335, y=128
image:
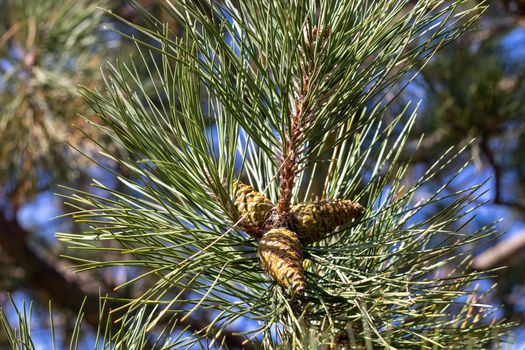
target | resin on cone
x=312, y=221
x=253, y=207
x=281, y=254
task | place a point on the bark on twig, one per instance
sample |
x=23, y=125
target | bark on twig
x=288, y=169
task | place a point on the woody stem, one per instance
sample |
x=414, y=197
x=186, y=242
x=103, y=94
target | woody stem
x=288, y=169
x=302, y=112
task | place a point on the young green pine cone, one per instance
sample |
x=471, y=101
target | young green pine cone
x=312, y=221
x=253, y=206
x=281, y=254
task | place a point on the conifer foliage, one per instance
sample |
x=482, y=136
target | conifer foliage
x=47, y=48
x=290, y=96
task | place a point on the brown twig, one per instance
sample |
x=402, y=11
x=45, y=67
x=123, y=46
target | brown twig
x=288, y=169
x=301, y=114
x=48, y=277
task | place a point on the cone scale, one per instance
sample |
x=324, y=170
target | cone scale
x=281, y=249
x=252, y=206
x=281, y=254
x=312, y=221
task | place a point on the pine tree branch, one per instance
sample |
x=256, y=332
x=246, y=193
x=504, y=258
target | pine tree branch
x=498, y=176
x=500, y=253
x=49, y=279
x=176, y=230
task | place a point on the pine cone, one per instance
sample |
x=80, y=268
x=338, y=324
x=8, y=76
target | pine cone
x=253, y=206
x=312, y=221
x=281, y=254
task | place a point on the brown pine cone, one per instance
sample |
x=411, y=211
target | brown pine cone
x=312, y=221
x=253, y=207
x=281, y=254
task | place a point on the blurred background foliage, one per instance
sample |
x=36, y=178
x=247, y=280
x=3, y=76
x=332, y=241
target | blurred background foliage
x=47, y=49
x=472, y=89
